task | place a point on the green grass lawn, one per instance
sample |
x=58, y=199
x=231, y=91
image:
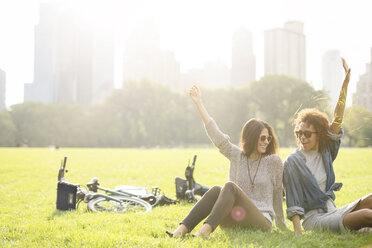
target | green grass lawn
x=28, y=215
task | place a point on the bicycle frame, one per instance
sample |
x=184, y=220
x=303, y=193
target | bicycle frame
x=93, y=186
x=68, y=200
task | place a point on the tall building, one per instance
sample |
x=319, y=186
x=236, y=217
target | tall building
x=332, y=75
x=285, y=50
x=43, y=87
x=243, y=61
x=363, y=94
x=143, y=58
x=74, y=59
x=103, y=64
x=2, y=89
x=73, y=63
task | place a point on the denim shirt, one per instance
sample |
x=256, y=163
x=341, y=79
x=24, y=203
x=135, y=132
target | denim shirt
x=302, y=191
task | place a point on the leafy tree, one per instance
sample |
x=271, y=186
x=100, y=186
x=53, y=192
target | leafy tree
x=149, y=115
x=7, y=130
x=41, y=124
x=278, y=98
x=358, y=126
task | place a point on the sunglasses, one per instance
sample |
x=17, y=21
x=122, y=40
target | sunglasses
x=264, y=137
x=306, y=133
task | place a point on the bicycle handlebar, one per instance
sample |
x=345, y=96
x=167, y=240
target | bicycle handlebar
x=193, y=161
x=61, y=172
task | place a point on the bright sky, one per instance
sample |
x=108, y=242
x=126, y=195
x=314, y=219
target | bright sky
x=200, y=30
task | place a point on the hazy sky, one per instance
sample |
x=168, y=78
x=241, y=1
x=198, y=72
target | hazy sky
x=199, y=31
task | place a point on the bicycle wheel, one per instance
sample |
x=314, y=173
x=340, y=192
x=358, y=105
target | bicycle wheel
x=127, y=205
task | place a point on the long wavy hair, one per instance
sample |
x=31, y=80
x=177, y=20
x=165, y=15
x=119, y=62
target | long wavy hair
x=320, y=122
x=251, y=133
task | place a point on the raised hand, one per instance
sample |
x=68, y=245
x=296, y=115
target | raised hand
x=195, y=94
x=347, y=70
x=346, y=67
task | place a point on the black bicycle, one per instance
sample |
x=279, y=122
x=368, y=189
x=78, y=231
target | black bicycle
x=188, y=188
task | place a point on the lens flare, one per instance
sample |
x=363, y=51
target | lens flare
x=238, y=213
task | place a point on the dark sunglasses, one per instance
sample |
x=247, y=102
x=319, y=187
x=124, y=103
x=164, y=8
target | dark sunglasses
x=306, y=133
x=264, y=137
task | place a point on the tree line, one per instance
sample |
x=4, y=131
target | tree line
x=146, y=114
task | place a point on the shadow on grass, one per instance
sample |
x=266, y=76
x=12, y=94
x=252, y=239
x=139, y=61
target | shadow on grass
x=58, y=213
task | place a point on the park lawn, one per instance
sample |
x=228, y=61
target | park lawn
x=28, y=215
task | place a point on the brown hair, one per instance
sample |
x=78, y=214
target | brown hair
x=320, y=122
x=250, y=134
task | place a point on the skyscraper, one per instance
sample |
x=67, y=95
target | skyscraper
x=143, y=58
x=285, y=50
x=363, y=95
x=43, y=87
x=73, y=62
x=103, y=64
x=2, y=89
x=332, y=75
x=243, y=61
x=74, y=59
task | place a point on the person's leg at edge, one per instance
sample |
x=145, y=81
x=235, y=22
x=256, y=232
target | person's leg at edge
x=234, y=206
x=361, y=216
x=200, y=211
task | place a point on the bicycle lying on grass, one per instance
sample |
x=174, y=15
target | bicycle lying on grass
x=69, y=196
x=114, y=200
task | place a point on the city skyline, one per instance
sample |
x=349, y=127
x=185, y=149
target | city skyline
x=285, y=50
x=212, y=23
x=74, y=63
x=363, y=94
x=332, y=74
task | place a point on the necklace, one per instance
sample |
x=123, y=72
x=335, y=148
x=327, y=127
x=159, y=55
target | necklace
x=255, y=174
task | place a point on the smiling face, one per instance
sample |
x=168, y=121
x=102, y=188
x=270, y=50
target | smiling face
x=263, y=141
x=258, y=139
x=308, y=137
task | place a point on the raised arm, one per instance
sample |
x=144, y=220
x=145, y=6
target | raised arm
x=195, y=95
x=338, y=114
x=219, y=139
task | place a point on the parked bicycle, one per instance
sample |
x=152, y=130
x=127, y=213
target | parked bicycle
x=187, y=189
x=69, y=196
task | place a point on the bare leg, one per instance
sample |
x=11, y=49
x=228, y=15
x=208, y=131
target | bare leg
x=204, y=231
x=180, y=231
x=366, y=202
x=361, y=216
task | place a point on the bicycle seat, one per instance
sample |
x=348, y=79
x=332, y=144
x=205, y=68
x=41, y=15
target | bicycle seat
x=93, y=184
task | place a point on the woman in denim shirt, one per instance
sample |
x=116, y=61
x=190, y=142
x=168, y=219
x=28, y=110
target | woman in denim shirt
x=309, y=178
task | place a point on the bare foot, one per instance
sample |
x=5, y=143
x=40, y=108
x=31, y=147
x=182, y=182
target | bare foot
x=180, y=231
x=204, y=231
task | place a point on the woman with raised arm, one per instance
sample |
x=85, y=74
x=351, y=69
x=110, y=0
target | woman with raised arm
x=252, y=198
x=309, y=178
